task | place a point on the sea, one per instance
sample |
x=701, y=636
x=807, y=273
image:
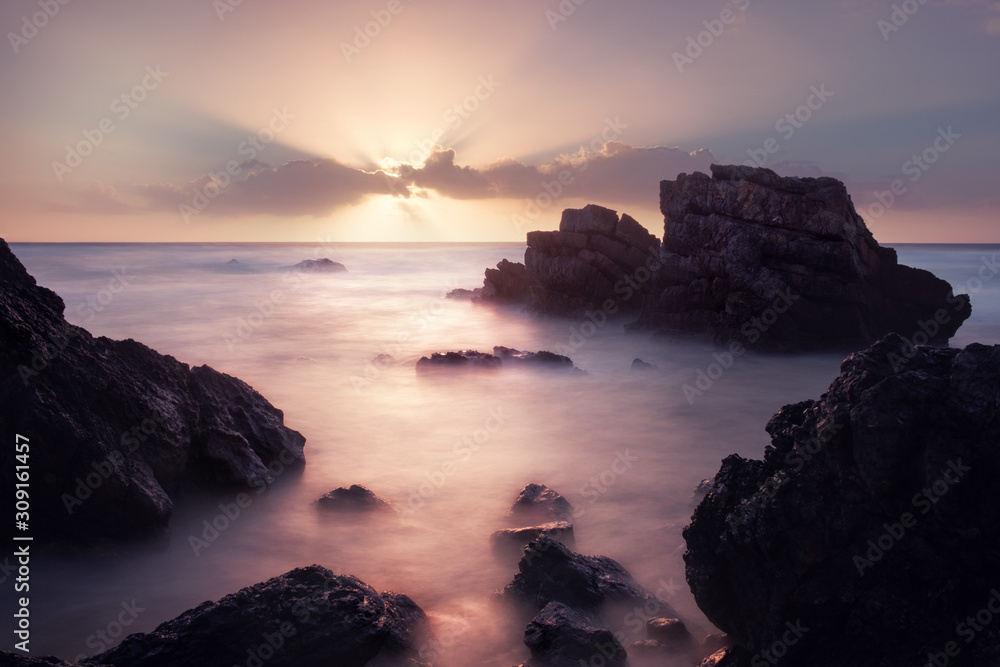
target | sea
x=449, y=451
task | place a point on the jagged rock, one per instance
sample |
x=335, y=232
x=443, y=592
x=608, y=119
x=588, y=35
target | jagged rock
x=468, y=359
x=9, y=659
x=595, y=259
x=640, y=365
x=354, y=499
x=537, y=502
x=541, y=359
x=313, y=616
x=116, y=429
x=549, y=572
x=513, y=540
x=731, y=657
x=871, y=520
x=324, y=265
x=560, y=636
x=460, y=294
x=509, y=283
x=786, y=264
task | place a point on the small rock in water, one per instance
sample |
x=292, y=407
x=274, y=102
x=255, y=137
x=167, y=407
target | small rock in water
x=324, y=265
x=466, y=359
x=355, y=499
x=560, y=636
x=640, y=365
x=513, y=540
x=669, y=632
x=537, y=502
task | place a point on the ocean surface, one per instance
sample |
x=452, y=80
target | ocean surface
x=450, y=452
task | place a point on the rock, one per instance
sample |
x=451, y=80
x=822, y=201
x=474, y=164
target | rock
x=730, y=657
x=713, y=643
x=669, y=632
x=466, y=359
x=324, y=265
x=563, y=637
x=9, y=659
x=473, y=359
x=460, y=294
x=871, y=519
x=594, y=258
x=319, y=618
x=513, y=540
x=785, y=264
x=383, y=360
x=537, y=502
x=509, y=283
x=116, y=429
x=354, y=499
x=549, y=572
x=541, y=359
x=640, y=365
x=700, y=491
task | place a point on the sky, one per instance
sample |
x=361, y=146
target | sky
x=447, y=120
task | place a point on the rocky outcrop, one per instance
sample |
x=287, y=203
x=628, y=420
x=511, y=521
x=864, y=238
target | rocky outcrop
x=308, y=616
x=594, y=261
x=537, y=502
x=115, y=429
x=354, y=499
x=513, y=540
x=475, y=360
x=748, y=258
x=324, y=265
x=560, y=636
x=867, y=534
x=786, y=264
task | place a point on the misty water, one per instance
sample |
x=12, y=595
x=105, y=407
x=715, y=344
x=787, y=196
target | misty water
x=450, y=451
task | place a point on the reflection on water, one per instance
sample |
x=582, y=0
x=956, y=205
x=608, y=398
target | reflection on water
x=449, y=451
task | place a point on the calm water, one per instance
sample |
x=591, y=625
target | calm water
x=450, y=452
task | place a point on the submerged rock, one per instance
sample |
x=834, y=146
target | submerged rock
x=560, y=636
x=354, y=499
x=460, y=294
x=308, y=616
x=640, y=365
x=550, y=572
x=868, y=531
x=324, y=265
x=540, y=359
x=115, y=428
x=468, y=359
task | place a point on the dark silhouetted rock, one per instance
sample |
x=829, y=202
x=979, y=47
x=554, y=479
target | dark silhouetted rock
x=563, y=637
x=640, y=365
x=513, y=540
x=464, y=359
x=324, y=265
x=669, y=632
x=537, y=502
x=541, y=359
x=785, y=264
x=460, y=294
x=116, y=429
x=320, y=619
x=593, y=261
x=354, y=499
x=871, y=520
x=549, y=572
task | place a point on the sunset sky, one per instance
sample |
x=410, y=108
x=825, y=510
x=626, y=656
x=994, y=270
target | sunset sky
x=440, y=120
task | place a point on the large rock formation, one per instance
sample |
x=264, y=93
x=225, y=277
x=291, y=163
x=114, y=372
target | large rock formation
x=746, y=245
x=113, y=428
x=748, y=258
x=867, y=535
x=595, y=258
x=308, y=616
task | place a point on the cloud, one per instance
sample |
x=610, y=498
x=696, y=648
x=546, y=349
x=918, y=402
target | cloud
x=617, y=173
